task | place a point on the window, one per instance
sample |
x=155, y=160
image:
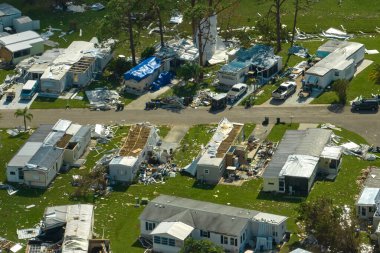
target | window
x=370, y=209
x=232, y=241
x=205, y=234
x=241, y=239
x=20, y=174
x=271, y=183
x=244, y=236
x=149, y=226
x=336, y=73
x=281, y=185
x=235, y=242
x=157, y=240
x=364, y=211
x=164, y=241
x=225, y=240
x=13, y=173
x=171, y=242
x=207, y=171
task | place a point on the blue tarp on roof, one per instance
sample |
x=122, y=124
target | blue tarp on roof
x=254, y=51
x=143, y=69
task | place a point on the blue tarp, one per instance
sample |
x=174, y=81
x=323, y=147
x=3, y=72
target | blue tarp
x=143, y=69
x=163, y=79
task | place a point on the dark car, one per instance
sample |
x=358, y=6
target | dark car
x=365, y=104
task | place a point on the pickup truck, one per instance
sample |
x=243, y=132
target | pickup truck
x=285, y=90
x=236, y=92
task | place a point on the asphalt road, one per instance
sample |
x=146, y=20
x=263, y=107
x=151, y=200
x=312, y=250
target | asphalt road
x=365, y=124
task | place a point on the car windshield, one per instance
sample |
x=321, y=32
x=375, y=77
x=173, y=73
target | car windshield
x=235, y=89
x=282, y=88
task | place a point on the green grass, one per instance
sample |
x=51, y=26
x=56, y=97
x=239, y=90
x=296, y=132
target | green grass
x=191, y=143
x=57, y=103
x=117, y=218
x=328, y=97
x=164, y=130
x=279, y=130
x=248, y=129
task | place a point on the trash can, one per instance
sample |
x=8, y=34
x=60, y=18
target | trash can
x=278, y=121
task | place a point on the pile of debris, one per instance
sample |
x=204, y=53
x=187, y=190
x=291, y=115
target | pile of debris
x=156, y=174
x=10, y=189
x=203, y=98
x=263, y=156
x=9, y=246
x=172, y=102
x=103, y=98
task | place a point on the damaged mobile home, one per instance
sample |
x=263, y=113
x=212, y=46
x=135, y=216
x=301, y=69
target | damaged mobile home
x=219, y=152
x=260, y=59
x=168, y=221
x=141, y=140
x=59, y=69
x=339, y=62
x=39, y=160
x=300, y=155
x=68, y=229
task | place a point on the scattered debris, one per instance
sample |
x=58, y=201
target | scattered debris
x=30, y=206
x=97, y=7
x=28, y=233
x=176, y=19
x=373, y=51
x=330, y=126
x=9, y=246
x=334, y=33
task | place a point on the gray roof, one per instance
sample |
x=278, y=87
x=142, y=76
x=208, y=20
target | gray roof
x=369, y=196
x=7, y=9
x=53, y=138
x=24, y=155
x=373, y=178
x=46, y=157
x=82, y=132
x=297, y=142
x=202, y=215
x=40, y=133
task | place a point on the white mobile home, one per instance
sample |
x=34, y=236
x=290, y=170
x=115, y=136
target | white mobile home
x=141, y=140
x=16, y=47
x=339, y=62
x=169, y=220
x=75, y=66
x=212, y=163
x=48, y=148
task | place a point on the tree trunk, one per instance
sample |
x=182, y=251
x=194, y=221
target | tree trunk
x=278, y=25
x=158, y=12
x=200, y=45
x=131, y=39
x=193, y=22
x=294, y=22
x=25, y=122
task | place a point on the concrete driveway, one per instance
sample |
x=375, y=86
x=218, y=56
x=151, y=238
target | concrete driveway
x=16, y=103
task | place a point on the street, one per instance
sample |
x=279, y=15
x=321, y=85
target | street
x=365, y=124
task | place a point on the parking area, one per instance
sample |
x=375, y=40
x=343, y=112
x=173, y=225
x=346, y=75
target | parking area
x=16, y=103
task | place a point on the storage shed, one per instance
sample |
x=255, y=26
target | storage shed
x=366, y=203
x=25, y=23
x=16, y=47
x=139, y=78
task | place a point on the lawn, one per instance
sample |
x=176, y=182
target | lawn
x=191, y=143
x=279, y=130
x=57, y=103
x=117, y=218
x=164, y=130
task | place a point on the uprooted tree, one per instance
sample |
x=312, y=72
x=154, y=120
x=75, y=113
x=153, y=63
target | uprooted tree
x=331, y=225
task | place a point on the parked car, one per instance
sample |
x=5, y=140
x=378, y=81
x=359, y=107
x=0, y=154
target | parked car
x=296, y=72
x=285, y=90
x=236, y=92
x=365, y=104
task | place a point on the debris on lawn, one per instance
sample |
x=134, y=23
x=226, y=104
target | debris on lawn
x=97, y=7
x=13, y=132
x=330, y=126
x=9, y=246
x=28, y=233
x=30, y=206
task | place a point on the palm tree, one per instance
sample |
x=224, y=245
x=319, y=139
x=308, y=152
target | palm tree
x=375, y=74
x=25, y=113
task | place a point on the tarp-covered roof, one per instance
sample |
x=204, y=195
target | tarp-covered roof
x=299, y=166
x=143, y=69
